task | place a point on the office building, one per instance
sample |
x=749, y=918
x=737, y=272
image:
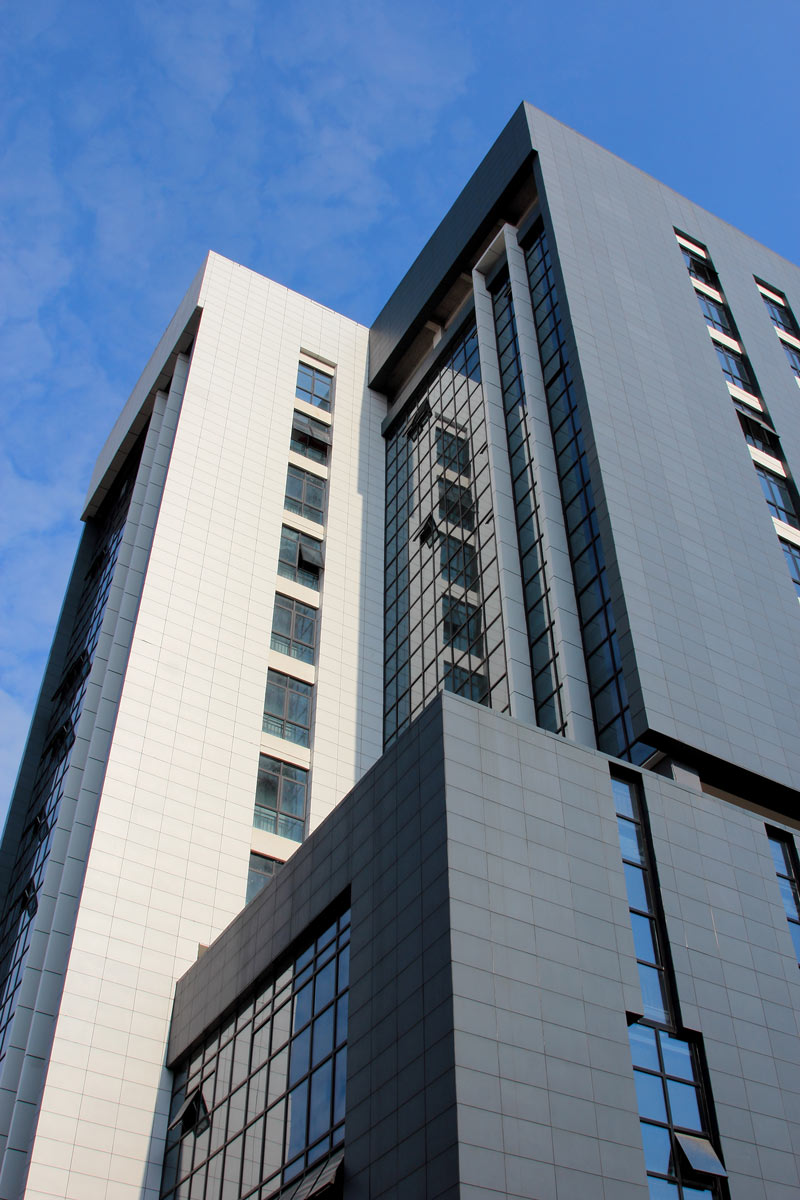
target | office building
x=494, y=608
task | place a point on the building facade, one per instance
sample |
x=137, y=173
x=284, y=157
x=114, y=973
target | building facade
x=516, y=571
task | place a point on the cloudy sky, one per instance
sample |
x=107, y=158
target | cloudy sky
x=318, y=144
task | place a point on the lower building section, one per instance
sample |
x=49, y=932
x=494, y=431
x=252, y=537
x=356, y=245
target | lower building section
x=507, y=966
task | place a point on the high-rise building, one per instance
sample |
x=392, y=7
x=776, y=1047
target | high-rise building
x=502, y=595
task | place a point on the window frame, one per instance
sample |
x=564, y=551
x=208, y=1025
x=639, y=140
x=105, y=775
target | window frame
x=322, y=399
x=791, y=875
x=305, y=505
x=305, y=564
x=287, y=820
x=294, y=645
x=280, y=723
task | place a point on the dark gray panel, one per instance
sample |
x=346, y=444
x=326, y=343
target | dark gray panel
x=706, y=610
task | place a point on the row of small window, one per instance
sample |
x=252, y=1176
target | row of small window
x=779, y=490
x=718, y=316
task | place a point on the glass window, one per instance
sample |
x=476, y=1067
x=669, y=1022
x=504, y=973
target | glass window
x=792, y=555
x=273, y=1079
x=784, y=856
x=462, y=625
x=287, y=708
x=458, y=561
x=452, y=452
x=777, y=495
x=294, y=629
x=760, y=436
x=281, y=796
x=314, y=386
x=736, y=369
x=310, y=438
x=699, y=267
x=300, y=557
x=456, y=504
x=462, y=682
x=716, y=315
x=305, y=494
x=793, y=357
x=666, y=1065
x=780, y=315
x=260, y=872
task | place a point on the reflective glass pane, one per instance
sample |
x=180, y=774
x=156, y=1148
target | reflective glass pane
x=650, y=1096
x=791, y=902
x=683, y=1102
x=297, y=1120
x=643, y=1046
x=630, y=840
x=677, y=1056
x=322, y=1036
x=319, y=1117
x=657, y=1148
x=660, y=1189
x=644, y=938
x=325, y=986
x=635, y=883
x=654, y=997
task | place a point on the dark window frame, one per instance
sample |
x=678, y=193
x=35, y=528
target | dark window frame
x=288, y=818
x=308, y=495
x=285, y=719
x=789, y=874
x=314, y=386
x=295, y=643
x=300, y=558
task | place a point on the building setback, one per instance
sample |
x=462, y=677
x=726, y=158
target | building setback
x=516, y=573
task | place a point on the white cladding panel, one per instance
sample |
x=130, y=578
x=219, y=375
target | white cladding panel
x=169, y=858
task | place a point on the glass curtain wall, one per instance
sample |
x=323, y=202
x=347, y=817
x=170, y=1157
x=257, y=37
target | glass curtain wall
x=443, y=615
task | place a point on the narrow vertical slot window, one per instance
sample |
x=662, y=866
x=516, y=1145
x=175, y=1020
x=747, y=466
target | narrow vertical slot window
x=784, y=856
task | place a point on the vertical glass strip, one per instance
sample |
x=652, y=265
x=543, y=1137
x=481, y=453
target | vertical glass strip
x=673, y=1105
x=443, y=616
x=546, y=684
x=784, y=856
x=607, y=689
x=33, y=850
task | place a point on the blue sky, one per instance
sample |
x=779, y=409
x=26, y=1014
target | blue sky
x=318, y=144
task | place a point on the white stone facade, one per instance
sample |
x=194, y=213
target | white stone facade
x=168, y=862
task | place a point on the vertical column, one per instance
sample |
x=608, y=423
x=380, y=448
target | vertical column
x=520, y=685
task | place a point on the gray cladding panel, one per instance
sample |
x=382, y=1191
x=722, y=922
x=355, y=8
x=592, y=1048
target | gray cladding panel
x=707, y=614
x=493, y=965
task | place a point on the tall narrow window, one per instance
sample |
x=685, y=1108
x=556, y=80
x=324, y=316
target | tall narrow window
x=780, y=314
x=300, y=557
x=736, y=369
x=716, y=315
x=778, y=497
x=294, y=628
x=305, y=494
x=681, y=1162
x=287, y=708
x=784, y=857
x=314, y=387
x=281, y=796
x=792, y=555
